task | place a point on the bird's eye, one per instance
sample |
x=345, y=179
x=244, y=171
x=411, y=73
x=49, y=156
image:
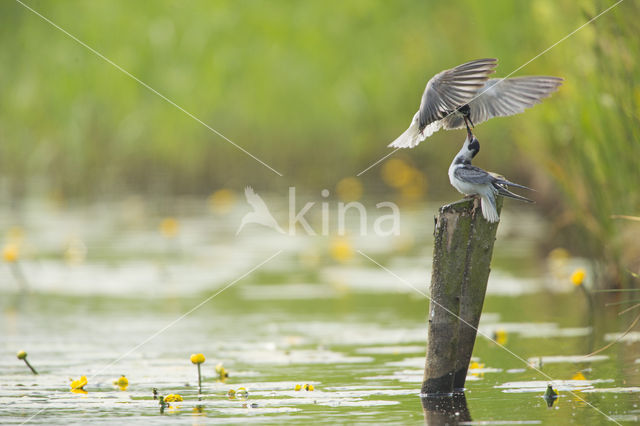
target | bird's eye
x=474, y=145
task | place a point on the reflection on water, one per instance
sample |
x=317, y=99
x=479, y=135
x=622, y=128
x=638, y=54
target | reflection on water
x=445, y=410
x=104, y=280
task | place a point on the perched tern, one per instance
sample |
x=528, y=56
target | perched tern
x=465, y=95
x=472, y=180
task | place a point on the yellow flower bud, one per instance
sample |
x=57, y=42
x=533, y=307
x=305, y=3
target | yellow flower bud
x=298, y=387
x=197, y=358
x=578, y=276
x=21, y=355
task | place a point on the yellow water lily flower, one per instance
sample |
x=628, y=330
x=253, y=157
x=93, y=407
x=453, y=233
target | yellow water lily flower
x=173, y=397
x=341, y=249
x=197, y=358
x=79, y=384
x=231, y=394
x=222, y=372
x=396, y=173
x=242, y=393
x=10, y=253
x=578, y=376
x=122, y=383
x=578, y=276
x=221, y=201
x=169, y=227
x=500, y=336
x=474, y=367
x=297, y=388
x=309, y=388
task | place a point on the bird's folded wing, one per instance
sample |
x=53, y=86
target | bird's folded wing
x=453, y=88
x=503, y=97
x=472, y=174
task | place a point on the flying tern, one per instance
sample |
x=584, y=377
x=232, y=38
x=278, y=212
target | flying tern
x=465, y=95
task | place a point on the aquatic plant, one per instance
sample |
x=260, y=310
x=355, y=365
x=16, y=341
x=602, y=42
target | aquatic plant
x=222, y=373
x=173, y=397
x=550, y=395
x=122, y=383
x=500, y=336
x=198, y=359
x=306, y=387
x=23, y=356
x=242, y=393
x=78, y=385
x=578, y=276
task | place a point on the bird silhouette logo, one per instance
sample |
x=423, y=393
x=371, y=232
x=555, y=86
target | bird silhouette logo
x=260, y=214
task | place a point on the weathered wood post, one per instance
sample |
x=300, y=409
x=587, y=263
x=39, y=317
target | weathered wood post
x=461, y=264
x=445, y=410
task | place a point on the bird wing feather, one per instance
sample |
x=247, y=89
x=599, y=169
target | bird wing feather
x=472, y=174
x=453, y=88
x=501, y=180
x=506, y=193
x=504, y=97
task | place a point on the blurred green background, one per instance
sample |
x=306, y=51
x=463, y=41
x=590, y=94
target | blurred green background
x=317, y=90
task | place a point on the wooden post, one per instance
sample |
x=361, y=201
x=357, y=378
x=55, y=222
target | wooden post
x=461, y=264
x=444, y=410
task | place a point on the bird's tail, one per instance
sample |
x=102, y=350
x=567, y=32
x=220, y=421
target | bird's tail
x=413, y=136
x=506, y=193
x=489, y=210
x=499, y=179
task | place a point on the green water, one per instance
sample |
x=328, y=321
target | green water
x=351, y=329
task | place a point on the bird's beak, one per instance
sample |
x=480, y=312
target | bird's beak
x=467, y=121
x=469, y=132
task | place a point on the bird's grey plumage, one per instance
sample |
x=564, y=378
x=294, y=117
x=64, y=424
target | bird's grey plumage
x=504, y=97
x=471, y=180
x=469, y=85
x=445, y=92
x=453, y=88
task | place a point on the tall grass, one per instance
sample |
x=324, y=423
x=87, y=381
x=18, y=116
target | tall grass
x=593, y=152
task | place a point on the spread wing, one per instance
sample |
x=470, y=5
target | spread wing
x=504, y=97
x=453, y=88
x=255, y=201
x=472, y=174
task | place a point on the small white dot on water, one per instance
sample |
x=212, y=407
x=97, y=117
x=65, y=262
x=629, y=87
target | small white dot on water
x=325, y=193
